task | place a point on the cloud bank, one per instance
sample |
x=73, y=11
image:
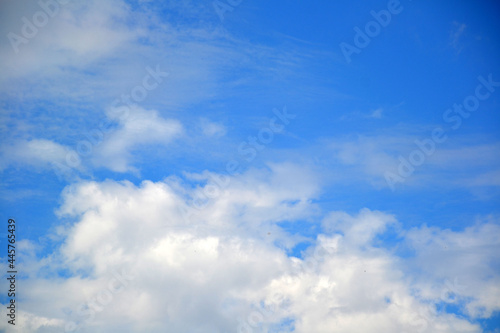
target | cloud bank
x=133, y=264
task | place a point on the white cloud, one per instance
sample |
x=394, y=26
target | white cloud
x=210, y=129
x=359, y=230
x=212, y=272
x=377, y=114
x=79, y=56
x=37, y=153
x=491, y=178
x=460, y=265
x=114, y=149
x=466, y=165
x=137, y=127
x=369, y=156
x=77, y=33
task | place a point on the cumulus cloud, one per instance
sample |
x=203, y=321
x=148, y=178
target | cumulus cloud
x=459, y=266
x=138, y=264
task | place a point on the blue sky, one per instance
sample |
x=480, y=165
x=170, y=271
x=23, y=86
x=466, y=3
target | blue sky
x=225, y=152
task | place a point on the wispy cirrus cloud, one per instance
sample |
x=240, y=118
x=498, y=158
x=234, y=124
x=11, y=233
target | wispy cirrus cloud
x=455, y=35
x=36, y=153
x=211, y=129
x=374, y=156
